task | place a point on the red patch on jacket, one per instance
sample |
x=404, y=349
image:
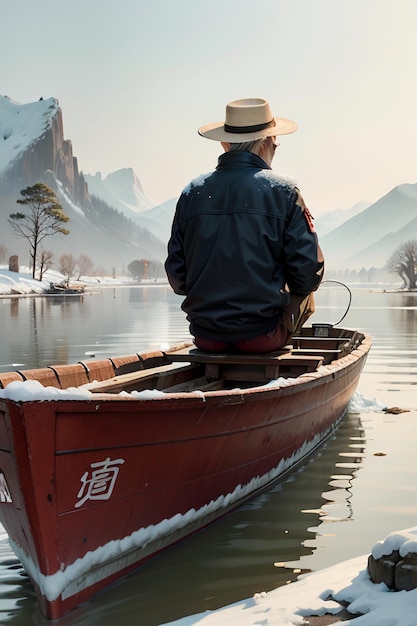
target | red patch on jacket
x=309, y=219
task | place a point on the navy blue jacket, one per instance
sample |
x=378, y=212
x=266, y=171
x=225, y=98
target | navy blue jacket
x=240, y=235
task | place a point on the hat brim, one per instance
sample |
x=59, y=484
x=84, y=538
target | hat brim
x=216, y=131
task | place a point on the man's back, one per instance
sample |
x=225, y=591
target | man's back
x=241, y=246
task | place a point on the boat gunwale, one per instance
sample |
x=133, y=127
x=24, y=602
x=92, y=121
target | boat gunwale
x=219, y=396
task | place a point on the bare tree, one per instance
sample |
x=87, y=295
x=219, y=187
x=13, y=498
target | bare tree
x=45, y=262
x=45, y=218
x=85, y=266
x=403, y=262
x=67, y=265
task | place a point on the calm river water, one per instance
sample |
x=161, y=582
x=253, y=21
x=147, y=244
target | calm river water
x=359, y=487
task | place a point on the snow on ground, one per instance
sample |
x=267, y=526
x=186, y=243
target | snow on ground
x=14, y=283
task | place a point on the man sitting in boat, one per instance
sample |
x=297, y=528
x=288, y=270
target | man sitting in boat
x=243, y=248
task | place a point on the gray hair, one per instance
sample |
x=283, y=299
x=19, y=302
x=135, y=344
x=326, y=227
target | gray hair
x=247, y=146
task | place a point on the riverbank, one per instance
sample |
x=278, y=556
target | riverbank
x=22, y=285
x=393, y=291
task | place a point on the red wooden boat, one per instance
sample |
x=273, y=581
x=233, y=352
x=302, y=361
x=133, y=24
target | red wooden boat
x=104, y=464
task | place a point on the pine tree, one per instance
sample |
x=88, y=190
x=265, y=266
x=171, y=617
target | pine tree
x=45, y=218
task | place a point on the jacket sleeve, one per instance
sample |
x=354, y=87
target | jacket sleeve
x=303, y=262
x=175, y=265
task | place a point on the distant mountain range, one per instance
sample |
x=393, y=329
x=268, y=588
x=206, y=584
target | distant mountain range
x=329, y=221
x=369, y=238
x=113, y=222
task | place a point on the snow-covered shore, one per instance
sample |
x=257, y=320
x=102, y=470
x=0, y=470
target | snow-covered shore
x=22, y=283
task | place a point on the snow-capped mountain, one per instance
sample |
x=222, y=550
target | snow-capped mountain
x=121, y=190
x=33, y=149
x=33, y=143
x=21, y=125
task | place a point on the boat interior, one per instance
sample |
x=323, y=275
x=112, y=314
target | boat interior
x=184, y=368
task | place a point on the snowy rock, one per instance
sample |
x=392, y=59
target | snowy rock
x=406, y=573
x=394, y=561
x=382, y=570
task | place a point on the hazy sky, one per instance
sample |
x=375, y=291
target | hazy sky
x=136, y=78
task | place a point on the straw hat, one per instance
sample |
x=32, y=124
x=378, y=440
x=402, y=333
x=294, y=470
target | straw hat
x=246, y=120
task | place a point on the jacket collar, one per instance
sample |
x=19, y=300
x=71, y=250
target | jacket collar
x=231, y=160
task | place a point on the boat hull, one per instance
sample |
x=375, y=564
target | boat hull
x=92, y=489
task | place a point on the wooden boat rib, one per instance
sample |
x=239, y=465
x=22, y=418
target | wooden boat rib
x=104, y=464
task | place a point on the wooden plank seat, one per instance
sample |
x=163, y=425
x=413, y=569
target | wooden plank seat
x=194, y=355
x=248, y=367
x=162, y=377
x=327, y=355
x=330, y=347
x=337, y=339
x=329, y=343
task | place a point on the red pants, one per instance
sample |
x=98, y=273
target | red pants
x=293, y=317
x=265, y=343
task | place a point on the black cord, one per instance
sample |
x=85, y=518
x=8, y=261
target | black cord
x=350, y=297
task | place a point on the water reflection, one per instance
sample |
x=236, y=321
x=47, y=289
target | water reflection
x=14, y=307
x=407, y=314
x=37, y=332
